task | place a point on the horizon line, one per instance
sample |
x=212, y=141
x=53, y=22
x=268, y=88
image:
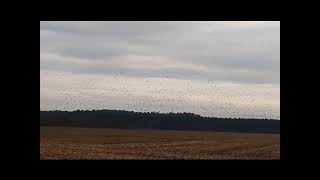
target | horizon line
x=158, y=113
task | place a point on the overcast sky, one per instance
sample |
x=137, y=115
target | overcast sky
x=222, y=69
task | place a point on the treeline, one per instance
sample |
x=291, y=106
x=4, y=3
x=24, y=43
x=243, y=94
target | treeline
x=153, y=120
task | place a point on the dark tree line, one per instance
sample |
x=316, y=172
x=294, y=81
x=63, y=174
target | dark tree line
x=170, y=121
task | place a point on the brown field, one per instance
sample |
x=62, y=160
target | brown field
x=90, y=143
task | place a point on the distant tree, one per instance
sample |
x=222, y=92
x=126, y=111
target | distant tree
x=155, y=120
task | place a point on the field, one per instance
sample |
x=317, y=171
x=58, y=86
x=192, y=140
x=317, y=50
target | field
x=91, y=143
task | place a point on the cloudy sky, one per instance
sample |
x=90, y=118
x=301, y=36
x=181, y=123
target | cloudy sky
x=221, y=69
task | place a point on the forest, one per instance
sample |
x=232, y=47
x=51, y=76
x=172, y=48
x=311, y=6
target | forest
x=154, y=120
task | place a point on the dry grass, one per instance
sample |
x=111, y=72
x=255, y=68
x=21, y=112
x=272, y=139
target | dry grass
x=83, y=143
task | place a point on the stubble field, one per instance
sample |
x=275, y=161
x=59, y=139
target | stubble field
x=92, y=143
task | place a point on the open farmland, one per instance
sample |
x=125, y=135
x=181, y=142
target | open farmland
x=103, y=143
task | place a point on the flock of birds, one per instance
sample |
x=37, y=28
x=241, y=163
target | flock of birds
x=209, y=98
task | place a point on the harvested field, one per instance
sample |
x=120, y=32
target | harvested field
x=91, y=143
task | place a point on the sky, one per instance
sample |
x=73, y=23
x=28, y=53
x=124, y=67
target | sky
x=210, y=68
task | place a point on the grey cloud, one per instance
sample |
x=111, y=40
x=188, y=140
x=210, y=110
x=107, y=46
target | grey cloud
x=92, y=52
x=114, y=30
x=255, y=76
x=246, y=53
